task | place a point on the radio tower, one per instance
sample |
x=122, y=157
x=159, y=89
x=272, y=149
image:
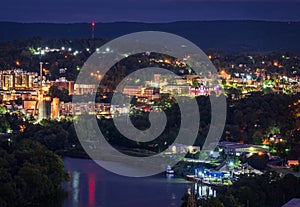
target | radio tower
x=41, y=80
x=93, y=24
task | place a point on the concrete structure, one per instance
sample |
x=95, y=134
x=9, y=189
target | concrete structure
x=55, y=108
x=44, y=107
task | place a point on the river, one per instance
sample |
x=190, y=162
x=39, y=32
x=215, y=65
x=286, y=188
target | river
x=92, y=186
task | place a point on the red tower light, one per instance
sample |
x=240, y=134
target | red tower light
x=93, y=24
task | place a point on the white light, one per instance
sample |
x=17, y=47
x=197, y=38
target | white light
x=107, y=49
x=63, y=48
x=70, y=49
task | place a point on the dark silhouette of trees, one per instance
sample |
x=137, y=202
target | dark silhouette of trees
x=30, y=174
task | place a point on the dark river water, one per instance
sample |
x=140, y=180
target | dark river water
x=92, y=186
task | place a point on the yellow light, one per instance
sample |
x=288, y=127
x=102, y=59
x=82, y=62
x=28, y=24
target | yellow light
x=167, y=61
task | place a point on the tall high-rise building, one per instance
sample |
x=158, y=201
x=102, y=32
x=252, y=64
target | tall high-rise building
x=44, y=107
x=55, y=108
x=157, y=80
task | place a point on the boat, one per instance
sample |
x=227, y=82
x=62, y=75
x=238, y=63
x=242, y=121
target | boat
x=169, y=170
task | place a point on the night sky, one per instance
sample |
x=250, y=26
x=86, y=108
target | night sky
x=147, y=11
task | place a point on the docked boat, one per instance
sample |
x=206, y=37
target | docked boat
x=169, y=170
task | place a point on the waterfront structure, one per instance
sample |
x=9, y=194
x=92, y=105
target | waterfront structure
x=181, y=149
x=233, y=148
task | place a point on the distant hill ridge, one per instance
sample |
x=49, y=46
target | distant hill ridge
x=230, y=36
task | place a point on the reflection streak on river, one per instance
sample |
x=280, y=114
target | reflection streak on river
x=92, y=186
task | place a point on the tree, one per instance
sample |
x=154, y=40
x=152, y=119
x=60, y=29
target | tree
x=62, y=94
x=31, y=175
x=212, y=202
x=2, y=110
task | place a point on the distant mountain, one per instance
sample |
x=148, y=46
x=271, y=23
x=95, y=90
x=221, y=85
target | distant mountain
x=229, y=36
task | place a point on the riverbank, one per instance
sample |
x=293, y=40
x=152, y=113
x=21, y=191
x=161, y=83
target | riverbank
x=80, y=153
x=94, y=186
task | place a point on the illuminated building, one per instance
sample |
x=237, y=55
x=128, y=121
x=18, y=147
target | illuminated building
x=17, y=79
x=44, y=108
x=72, y=109
x=81, y=89
x=150, y=93
x=43, y=103
x=29, y=106
x=132, y=90
x=55, y=108
x=157, y=80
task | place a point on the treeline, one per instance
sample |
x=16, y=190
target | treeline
x=31, y=175
x=257, y=117
x=267, y=190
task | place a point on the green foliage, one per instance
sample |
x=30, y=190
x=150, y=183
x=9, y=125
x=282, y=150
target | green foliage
x=30, y=175
x=62, y=94
x=212, y=202
x=267, y=190
x=2, y=110
x=10, y=122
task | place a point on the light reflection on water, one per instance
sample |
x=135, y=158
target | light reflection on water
x=92, y=186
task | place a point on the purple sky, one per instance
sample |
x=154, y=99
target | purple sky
x=147, y=11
